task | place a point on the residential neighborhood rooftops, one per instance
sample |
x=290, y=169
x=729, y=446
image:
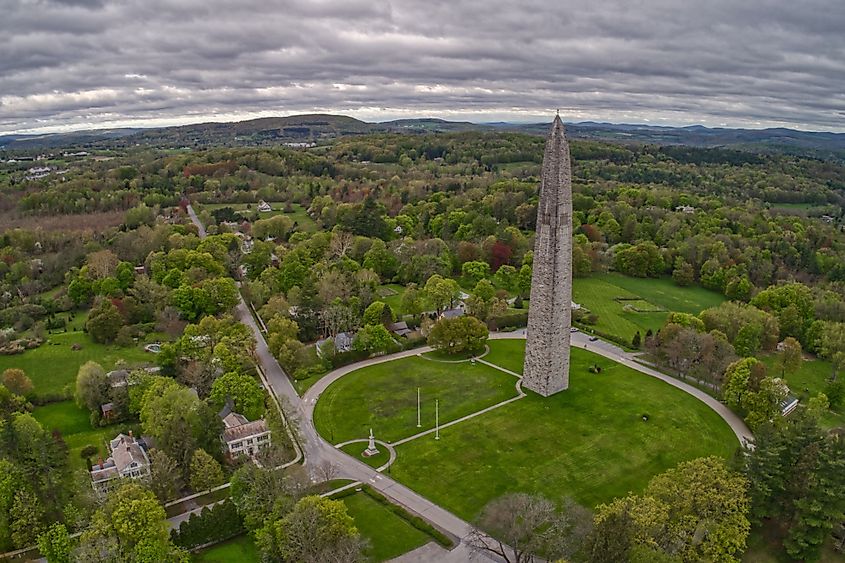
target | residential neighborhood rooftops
x=254, y=428
x=400, y=328
x=452, y=313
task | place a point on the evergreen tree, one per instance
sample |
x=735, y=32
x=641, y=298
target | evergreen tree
x=822, y=504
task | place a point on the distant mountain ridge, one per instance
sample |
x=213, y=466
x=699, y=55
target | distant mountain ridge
x=321, y=127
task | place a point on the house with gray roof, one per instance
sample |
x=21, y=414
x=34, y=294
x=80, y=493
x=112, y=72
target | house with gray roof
x=242, y=437
x=128, y=460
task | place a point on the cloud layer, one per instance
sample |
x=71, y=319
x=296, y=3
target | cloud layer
x=73, y=64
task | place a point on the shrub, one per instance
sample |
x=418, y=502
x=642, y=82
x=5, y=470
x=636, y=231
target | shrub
x=519, y=319
x=214, y=524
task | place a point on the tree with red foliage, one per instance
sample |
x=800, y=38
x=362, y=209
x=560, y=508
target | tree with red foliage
x=500, y=255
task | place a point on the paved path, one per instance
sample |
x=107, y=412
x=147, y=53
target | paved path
x=318, y=452
x=628, y=359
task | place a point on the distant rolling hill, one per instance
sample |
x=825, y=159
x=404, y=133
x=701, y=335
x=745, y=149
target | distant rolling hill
x=322, y=127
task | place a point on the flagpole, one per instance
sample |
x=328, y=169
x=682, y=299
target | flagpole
x=436, y=419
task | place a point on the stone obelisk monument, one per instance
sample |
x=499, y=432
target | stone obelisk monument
x=546, y=369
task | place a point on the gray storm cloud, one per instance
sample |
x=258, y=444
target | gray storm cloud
x=72, y=64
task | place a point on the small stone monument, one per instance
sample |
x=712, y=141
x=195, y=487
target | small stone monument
x=371, y=446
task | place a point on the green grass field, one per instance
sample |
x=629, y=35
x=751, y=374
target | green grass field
x=74, y=424
x=391, y=294
x=53, y=366
x=357, y=448
x=508, y=353
x=237, y=550
x=656, y=297
x=384, y=397
x=808, y=380
x=666, y=293
x=299, y=215
x=389, y=535
x=589, y=442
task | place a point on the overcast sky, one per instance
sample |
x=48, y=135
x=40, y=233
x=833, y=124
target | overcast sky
x=77, y=64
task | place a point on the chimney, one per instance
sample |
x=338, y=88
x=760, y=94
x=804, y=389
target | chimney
x=130, y=433
x=100, y=461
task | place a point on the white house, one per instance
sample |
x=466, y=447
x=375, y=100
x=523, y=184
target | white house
x=242, y=437
x=685, y=209
x=264, y=207
x=128, y=460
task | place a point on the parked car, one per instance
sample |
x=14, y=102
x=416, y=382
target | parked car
x=573, y=329
x=593, y=338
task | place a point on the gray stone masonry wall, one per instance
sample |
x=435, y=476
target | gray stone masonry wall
x=546, y=369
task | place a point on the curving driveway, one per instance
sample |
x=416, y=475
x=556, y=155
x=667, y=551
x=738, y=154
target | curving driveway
x=318, y=452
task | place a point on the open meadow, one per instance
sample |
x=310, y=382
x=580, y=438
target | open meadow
x=53, y=365
x=626, y=305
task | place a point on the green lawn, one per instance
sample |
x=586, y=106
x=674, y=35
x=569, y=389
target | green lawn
x=74, y=424
x=389, y=535
x=52, y=366
x=357, y=448
x=588, y=442
x=391, y=294
x=384, y=397
x=655, y=297
x=810, y=379
x=299, y=214
x=600, y=298
x=508, y=353
x=444, y=356
x=237, y=550
x=666, y=293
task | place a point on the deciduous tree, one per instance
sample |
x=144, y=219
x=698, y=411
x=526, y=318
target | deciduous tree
x=522, y=526
x=92, y=386
x=316, y=530
x=206, y=472
x=243, y=389
x=458, y=335
x=17, y=382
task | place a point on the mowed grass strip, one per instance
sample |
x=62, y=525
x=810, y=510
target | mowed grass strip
x=388, y=534
x=384, y=397
x=589, y=442
x=53, y=366
x=237, y=550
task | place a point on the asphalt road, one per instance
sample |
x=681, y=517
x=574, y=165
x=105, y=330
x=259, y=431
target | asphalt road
x=318, y=452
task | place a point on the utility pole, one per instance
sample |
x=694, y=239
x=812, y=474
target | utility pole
x=419, y=423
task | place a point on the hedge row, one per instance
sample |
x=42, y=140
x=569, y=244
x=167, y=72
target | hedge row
x=516, y=320
x=212, y=525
